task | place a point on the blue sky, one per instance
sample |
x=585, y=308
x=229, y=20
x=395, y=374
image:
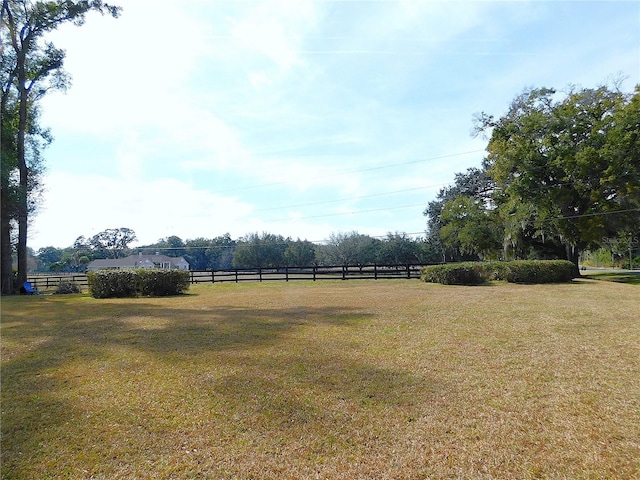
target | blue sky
x=300, y=118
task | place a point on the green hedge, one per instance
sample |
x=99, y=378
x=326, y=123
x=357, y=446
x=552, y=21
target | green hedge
x=112, y=283
x=540, y=271
x=158, y=283
x=131, y=283
x=518, y=271
x=453, y=274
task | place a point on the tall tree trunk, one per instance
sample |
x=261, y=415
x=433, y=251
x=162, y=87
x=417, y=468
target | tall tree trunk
x=6, y=260
x=573, y=255
x=6, y=250
x=23, y=208
x=6, y=207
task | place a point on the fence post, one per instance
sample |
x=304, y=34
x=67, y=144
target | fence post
x=260, y=273
x=213, y=276
x=375, y=271
x=236, y=275
x=408, y=271
x=286, y=273
x=314, y=273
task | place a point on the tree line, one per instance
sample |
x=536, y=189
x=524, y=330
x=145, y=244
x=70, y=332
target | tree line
x=253, y=250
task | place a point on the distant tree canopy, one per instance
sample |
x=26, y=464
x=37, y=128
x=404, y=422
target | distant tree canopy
x=264, y=250
x=349, y=249
x=561, y=175
x=111, y=243
x=300, y=253
x=255, y=250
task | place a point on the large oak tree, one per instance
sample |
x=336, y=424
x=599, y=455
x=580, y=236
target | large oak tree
x=562, y=175
x=567, y=166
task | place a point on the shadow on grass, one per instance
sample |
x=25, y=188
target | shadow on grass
x=39, y=404
x=629, y=278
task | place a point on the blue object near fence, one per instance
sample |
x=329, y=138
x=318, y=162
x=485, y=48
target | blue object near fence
x=29, y=289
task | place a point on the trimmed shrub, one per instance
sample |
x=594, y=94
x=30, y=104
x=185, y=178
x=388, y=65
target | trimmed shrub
x=453, y=274
x=540, y=271
x=159, y=283
x=493, y=270
x=131, y=283
x=66, y=287
x=519, y=271
x=113, y=283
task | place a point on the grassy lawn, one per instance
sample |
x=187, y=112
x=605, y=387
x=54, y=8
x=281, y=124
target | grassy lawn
x=332, y=380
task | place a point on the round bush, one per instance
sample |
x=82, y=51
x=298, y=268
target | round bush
x=66, y=287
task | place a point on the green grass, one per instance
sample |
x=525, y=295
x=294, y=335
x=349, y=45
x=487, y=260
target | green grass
x=358, y=379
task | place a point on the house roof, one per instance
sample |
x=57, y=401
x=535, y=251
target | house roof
x=113, y=262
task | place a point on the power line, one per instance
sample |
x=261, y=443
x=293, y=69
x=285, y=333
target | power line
x=350, y=213
x=597, y=214
x=350, y=172
x=324, y=202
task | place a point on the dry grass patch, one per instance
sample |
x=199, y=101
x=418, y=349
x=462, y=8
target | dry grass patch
x=387, y=379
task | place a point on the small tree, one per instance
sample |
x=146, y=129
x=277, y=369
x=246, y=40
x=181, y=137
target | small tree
x=350, y=249
x=471, y=228
x=398, y=249
x=300, y=253
x=475, y=184
x=266, y=250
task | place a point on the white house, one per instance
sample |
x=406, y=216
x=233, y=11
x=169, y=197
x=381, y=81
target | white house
x=140, y=261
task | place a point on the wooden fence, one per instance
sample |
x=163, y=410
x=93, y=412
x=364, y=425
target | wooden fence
x=285, y=274
x=346, y=272
x=44, y=281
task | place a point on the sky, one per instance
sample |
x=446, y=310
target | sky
x=299, y=118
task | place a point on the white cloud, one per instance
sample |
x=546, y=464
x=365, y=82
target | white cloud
x=260, y=80
x=134, y=60
x=87, y=204
x=276, y=29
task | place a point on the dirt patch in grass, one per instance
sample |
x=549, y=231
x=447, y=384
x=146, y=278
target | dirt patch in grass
x=387, y=379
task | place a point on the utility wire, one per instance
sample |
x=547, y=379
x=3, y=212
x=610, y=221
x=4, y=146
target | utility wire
x=350, y=213
x=349, y=172
x=597, y=214
x=324, y=202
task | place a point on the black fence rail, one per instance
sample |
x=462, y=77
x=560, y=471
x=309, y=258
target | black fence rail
x=46, y=281
x=285, y=274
